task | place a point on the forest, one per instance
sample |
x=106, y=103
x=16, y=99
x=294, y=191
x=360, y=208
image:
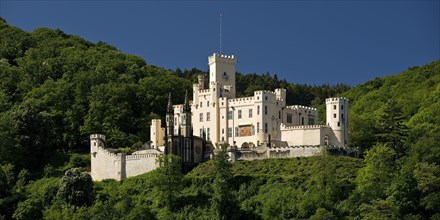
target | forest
x=56, y=89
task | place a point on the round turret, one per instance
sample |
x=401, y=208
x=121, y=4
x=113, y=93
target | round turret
x=337, y=118
x=96, y=141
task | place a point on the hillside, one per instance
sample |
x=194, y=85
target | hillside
x=56, y=89
x=415, y=94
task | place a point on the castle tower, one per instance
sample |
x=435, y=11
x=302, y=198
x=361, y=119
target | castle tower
x=170, y=117
x=201, y=81
x=222, y=71
x=337, y=118
x=157, y=133
x=186, y=117
x=97, y=140
x=169, y=123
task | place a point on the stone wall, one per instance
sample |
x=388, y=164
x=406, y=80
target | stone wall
x=108, y=165
x=105, y=164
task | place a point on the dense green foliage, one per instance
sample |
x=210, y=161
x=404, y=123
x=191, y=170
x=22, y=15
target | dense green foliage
x=56, y=89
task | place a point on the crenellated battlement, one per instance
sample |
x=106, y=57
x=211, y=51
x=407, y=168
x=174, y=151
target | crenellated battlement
x=140, y=156
x=300, y=107
x=108, y=153
x=264, y=92
x=236, y=100
x=335, y=99
x=221, y=58
x=301, y=127
x=97, y=136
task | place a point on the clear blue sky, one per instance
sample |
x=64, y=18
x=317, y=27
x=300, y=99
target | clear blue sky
x=312, y=42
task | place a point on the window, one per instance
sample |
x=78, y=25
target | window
x=311, y=121
x=94, y=143
x=334, y=115
x=265, y=127
x=223, y=138
x=239, y=113
x=229, y=115
x=265, y=109
x=201, y=104
x=302, y=120
x=201, y=117
x=201, y=132
x=342, y=106
x=207, y=134
x=265, y=97
x=289, y=118
x=258, y=127
x=250, y=113
x=339, y=124
x=223, y=131
x=229, y=132
x=207, y=104
x=208, y=116
x=334, y=106
x=342, y=116
x=258, y=110
x=236, y=131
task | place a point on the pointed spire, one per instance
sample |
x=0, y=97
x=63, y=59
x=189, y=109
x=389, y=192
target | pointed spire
x=170, y=104
x=186, y=103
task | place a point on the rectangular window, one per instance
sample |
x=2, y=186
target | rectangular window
x=201, y=117
x=250, y=113
x=258, y=127
x=334, y=106
x=201, y=104
x=229, y=115
x=239, y=113
x=207, y=104
x=265, y=127
x=201, y=132
x=208, y=134
x=342, y=117
x=289, y=118
x=223, y=131
x=265, y=109
x=258, y=110
x=339, y=124
x=229, y=132
x=342, y=106
x=208, y=116
x=334, y=115
x=236, y=131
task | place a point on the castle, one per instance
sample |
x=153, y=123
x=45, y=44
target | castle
x=256, y=127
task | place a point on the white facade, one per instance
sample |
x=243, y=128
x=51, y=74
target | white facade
x=256, y=127
x=108, y=165
x=261, y=118
x=157, y=133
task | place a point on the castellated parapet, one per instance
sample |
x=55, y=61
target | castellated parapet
x=106, y=164
x=220, y=58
